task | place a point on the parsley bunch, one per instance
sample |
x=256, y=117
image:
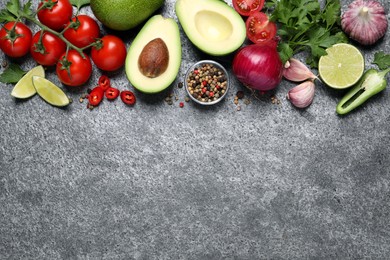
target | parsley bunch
x=304, y=26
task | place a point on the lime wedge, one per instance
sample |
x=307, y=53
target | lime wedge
x=50, y=92
x=342, y=67
x=25, y=88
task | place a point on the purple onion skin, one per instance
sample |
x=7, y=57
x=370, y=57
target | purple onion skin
x=258, y=67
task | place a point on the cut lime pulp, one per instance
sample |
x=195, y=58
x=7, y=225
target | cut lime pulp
x=24, y=88
x=49, y=92
x=342, y=67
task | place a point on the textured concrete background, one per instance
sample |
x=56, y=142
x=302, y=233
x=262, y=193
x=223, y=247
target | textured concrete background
x=161, y=182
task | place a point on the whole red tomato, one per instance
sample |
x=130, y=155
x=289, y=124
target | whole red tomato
x=15, y=39
x=74, y=70
x=48, y=50
x=56, y=14
x=83, y=31
x=109, y=54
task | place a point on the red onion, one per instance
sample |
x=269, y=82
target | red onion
x=258, y=67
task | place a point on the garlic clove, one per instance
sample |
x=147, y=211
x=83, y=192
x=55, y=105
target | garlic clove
x=365, y=21
x=302, y=95
x=296, y=71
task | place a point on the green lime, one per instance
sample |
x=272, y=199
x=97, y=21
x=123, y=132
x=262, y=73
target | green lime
x=25, y=88
x=50, y=92
x=342, y=67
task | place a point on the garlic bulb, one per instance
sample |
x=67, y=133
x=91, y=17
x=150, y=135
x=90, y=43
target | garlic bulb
x=296, y=71
x=365, y=21
x=302, y=95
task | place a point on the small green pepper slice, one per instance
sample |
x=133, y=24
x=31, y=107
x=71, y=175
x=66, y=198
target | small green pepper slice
x=371, y=83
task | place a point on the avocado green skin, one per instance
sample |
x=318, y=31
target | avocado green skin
x=123, y=15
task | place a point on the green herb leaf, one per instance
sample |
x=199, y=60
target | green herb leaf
x=382, y=60
x=79, y=3
x=12, y=74
x=27, y=10
x=13, y=7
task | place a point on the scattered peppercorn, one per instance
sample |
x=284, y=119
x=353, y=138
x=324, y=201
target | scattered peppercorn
x=240, y=94
x=247, y=101
x=181, y=104
x=180, y=85
x=186, y=99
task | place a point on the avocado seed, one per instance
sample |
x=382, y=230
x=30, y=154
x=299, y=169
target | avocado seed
x=154, y=58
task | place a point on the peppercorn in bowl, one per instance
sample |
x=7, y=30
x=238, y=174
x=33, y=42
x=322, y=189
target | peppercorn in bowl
x=207, y=82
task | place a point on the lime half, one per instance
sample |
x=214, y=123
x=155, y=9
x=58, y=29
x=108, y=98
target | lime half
x=342, y=67
x=49, y=92
x=25, y=88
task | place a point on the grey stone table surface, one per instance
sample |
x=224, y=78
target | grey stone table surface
x=156, y=181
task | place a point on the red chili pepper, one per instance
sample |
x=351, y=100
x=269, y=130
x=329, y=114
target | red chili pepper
x=128, y=97
x=111, y=93
x=96, y=96
x=104, y=82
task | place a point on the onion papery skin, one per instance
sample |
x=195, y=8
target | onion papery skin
x=258, y=67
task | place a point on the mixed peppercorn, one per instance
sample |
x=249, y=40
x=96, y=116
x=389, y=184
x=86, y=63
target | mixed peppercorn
x=207, y=83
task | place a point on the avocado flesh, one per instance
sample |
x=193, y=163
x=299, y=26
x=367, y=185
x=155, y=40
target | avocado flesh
x=167, y=30
x=124, y=14
x=211, y=25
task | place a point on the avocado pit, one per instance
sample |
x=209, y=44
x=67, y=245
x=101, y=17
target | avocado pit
x=154, y=58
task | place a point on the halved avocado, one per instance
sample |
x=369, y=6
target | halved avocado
x=211, y=25
x=154, y=57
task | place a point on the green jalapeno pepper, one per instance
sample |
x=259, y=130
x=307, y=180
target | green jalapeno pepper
x=371, y=83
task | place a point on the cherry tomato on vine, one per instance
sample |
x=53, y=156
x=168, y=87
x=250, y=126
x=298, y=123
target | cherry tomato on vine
x=74, y=70
x=248, y=7
x=15, y=39
x=111, y=93
x=128, y=97
x=109, y=54
x=95, y=96
x=259, y=29
x=47, y=49
x=83, y=30
x=104, y=82
x=56, y=14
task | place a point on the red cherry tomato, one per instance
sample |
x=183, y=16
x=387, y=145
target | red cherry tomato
x=248, y=7
x=74, y=70
x=104, y=82
x=95, y=96
x=128, y=97
x=15, y=40
x=110, y=54
x=259, y=28
x=47, y=51
x=83, y=31
x=56, y=15
x=112, y=93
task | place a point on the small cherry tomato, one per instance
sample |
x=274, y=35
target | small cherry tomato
x=109, y=54
x=259, y=29
x=15, y=39
x=248, y=7
x=104, y=82
x=74, y=70
x=83, y=30
x=56, y=14
x=96, y=96
x=47, y=49
x=112, y=93
x=128, y=97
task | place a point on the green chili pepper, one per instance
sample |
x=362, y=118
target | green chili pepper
x=371, y=83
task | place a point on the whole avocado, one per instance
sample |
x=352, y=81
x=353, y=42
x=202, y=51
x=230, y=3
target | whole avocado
x=123, y=15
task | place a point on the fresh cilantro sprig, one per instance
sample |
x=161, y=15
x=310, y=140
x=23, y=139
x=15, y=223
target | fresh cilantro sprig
x=12, y=74
x=382, y=60
x=304, y=26
x=14, y=11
